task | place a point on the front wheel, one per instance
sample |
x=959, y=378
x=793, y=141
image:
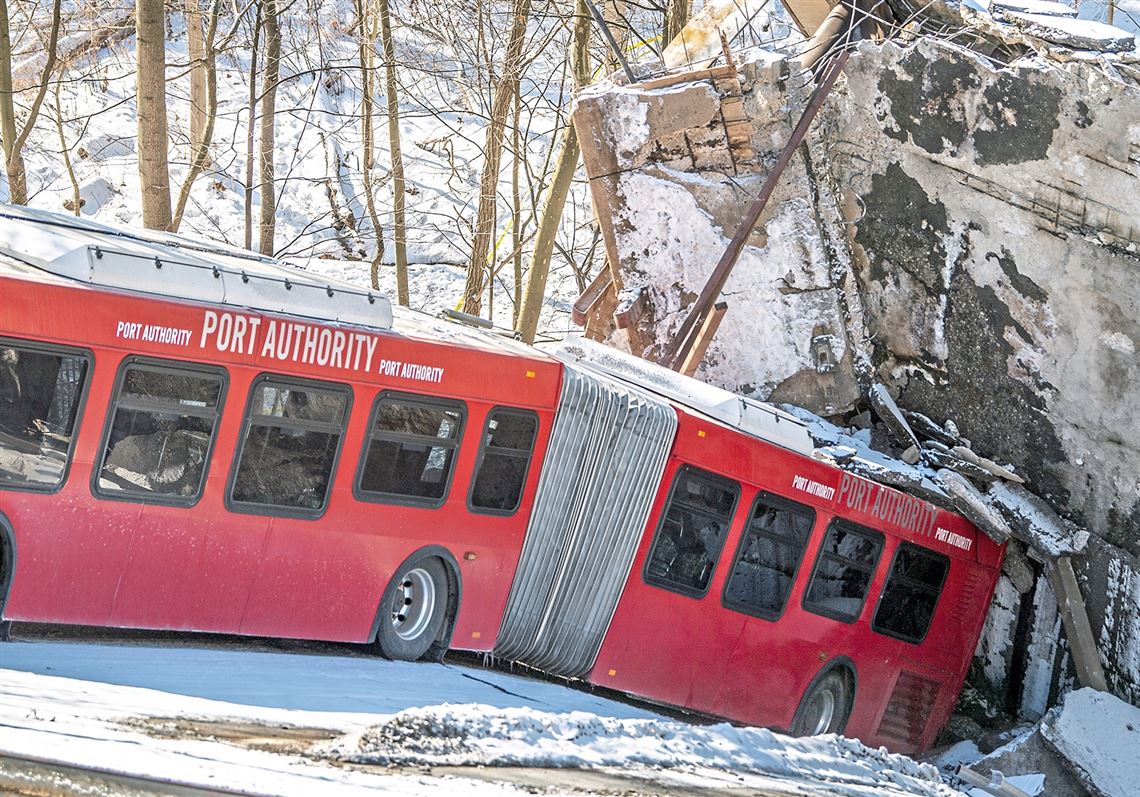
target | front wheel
x=412, y=610
x=825, y=707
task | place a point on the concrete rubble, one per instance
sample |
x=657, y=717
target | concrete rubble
x=955, y=247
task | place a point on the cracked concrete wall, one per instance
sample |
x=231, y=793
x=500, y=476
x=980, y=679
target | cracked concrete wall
x=970, y=233
x=993, y=229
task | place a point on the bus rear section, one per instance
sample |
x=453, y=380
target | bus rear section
x=773, y=589
x=757, y=584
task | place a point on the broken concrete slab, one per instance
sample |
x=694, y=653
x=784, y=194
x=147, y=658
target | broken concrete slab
x=971, y=502
x=1042, y=7
x=1034, y=522
x=1078, y=34
x=1098, y=735
x=1030, y=753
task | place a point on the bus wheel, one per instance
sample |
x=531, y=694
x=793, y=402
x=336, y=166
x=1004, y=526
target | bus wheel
x=826, y=706
x=412, y=610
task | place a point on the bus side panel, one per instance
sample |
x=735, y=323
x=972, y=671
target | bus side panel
x=324, y=579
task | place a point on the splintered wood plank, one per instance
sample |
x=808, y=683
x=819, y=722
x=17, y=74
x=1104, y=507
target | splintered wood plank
x=704, y=338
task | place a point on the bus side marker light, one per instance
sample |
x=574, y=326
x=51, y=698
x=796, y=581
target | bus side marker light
x=530, y=374
x=476, y=634
x=700, y=433
x=613, y=673
x=469, y=556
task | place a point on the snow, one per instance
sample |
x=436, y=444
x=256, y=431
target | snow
x=93, y=704
x=318, y=145
x=1100, y=735
x=1081, y=34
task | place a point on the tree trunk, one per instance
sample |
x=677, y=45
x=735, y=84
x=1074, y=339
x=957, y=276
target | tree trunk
x=516, y=212
x=251, y=127
x=676, y=17
x=266, y=189
x=400, y=233
x=368, y=134
x=154, y=170
x=559, y=188
x=65, y=151
x=13, y=141
x=13, y=162
x=493, y=149
x=196, y=50
x=200, y=141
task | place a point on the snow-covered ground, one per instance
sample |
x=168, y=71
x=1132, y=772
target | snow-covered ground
x=336, y=722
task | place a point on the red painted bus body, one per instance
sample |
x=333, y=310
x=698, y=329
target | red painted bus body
x=654, y=629
x=75, y=555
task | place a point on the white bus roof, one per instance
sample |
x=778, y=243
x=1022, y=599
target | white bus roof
x=175, y=266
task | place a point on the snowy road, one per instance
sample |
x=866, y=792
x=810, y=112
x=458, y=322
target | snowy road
x=265, y=721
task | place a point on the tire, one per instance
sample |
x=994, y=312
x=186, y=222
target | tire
x=413, y=610
x=826, y=706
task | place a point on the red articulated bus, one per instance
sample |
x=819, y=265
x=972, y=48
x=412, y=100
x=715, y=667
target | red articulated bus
x=196, y=438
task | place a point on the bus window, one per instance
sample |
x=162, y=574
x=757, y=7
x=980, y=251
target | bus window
x=411, y=450
x=769, y=556
x=688, y=543
x=291, y=441
x=504, y=459
x=40, y=393
x=911, y=593
x=843, y=571
x=162, y=426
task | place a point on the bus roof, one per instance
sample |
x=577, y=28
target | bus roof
x=174, y=266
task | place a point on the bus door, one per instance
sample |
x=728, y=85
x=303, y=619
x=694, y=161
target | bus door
x=771, y=657
x=153, y=460
x=670, y=636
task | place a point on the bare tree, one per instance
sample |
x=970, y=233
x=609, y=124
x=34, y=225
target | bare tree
x=392, y=97
x=559, y=188
x=202, y=117
x=367, y=39
x=154, y=169
x=266, y=174
x=676, y=17
x=251, y=127
x=13, y=140
x=492, y=154
x=196, y=49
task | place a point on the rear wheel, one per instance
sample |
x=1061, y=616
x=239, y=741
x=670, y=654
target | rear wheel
x=825, y=707
x=413, y=610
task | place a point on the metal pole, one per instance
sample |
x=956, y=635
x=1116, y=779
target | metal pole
x=996, y=784
x=678, y=350
x=609, y=37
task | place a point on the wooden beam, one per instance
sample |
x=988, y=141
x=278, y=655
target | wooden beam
x=602, y=284
x=704, y=338
x=687, y=77
x=1075, y=618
